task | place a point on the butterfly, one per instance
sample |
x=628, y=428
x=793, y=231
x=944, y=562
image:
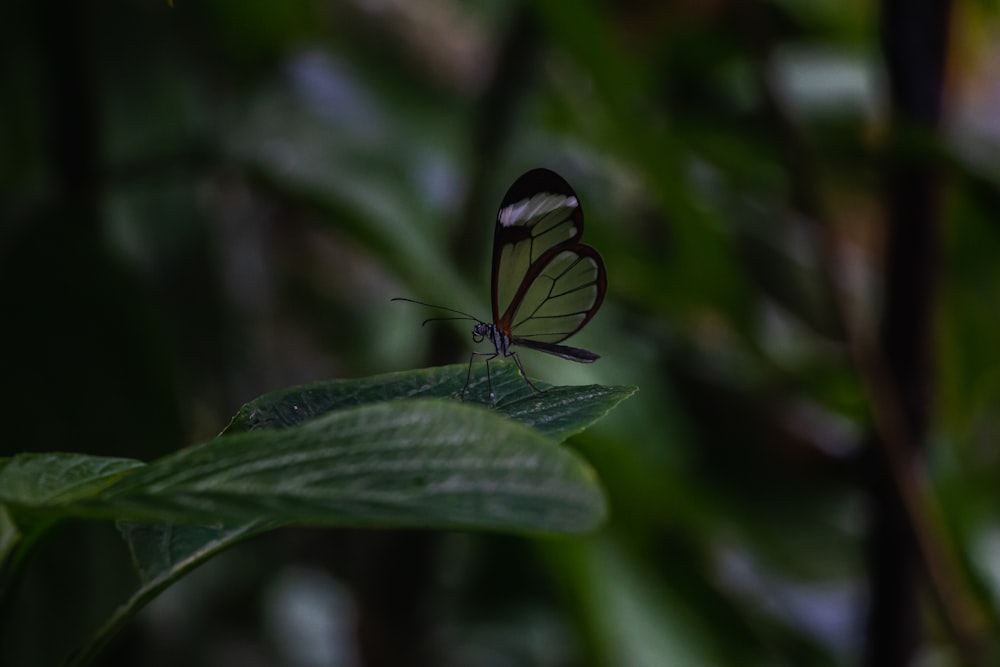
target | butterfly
x=545, y=284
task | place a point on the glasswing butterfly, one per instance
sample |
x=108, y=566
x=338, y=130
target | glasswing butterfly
x=545, y=284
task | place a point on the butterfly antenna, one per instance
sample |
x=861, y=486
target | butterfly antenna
x=466, y=316
x=447, y=319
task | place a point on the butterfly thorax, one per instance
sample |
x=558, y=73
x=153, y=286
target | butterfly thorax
x=488, y=330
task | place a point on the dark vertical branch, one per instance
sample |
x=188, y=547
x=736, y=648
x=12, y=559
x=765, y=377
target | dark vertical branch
x=914, y=38
x=394, y=584
x=906, y=536
x=892, y=626
x=914, y=41
x=395, y=587
x=511, y=78
x=513, y=74
x=72, y=126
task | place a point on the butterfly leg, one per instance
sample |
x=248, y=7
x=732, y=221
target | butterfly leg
x=489, y=380
x=517, y=360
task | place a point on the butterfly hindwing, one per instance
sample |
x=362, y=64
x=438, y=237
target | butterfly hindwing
x=546, y=284
x=558, y=295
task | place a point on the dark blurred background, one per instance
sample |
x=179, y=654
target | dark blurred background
x=203, y=201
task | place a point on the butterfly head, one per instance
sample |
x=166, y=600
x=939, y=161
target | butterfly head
x=482, y=330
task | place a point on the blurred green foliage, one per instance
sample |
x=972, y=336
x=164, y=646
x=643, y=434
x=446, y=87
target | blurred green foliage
x=205, y=201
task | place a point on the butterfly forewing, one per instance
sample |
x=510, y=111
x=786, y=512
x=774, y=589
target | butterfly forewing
x=539, y=213
x=546, y=285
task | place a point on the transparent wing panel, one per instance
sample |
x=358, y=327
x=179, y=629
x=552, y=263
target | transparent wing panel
x=522, y=246
x=558, y=296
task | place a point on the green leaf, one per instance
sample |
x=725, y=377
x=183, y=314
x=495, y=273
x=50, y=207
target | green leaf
x=431, y=463
x=38, y=480
x=423, y=463
x=558, y=412
x=348, y=453
x=10, y=536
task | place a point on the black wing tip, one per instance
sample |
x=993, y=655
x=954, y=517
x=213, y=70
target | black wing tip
x=533, y=181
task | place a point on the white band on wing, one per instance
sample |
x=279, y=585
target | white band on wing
x=535, y=207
